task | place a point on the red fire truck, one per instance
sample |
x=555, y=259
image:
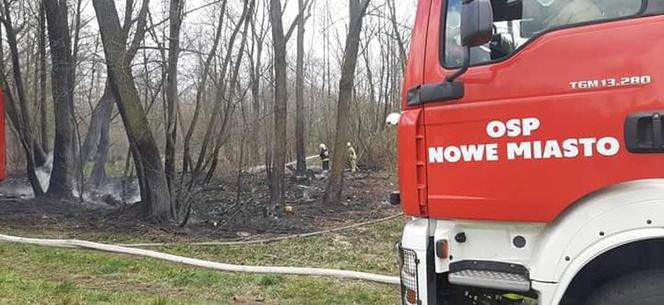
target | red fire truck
x=531, y=147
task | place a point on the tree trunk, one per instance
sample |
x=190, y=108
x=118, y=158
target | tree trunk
x=62, y=80
x=256, y=58
x=150, y=171
x=43, y=108
x=277, y=188
x=175, y=16
x=100, y=116
x=11, y=110
x=300, y=145
x=97, y=139
x=357, y=10
x=98, y=176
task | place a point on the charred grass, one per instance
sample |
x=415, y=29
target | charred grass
x=34, y=275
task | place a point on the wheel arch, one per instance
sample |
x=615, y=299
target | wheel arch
x=620, y=261
x=601, y=222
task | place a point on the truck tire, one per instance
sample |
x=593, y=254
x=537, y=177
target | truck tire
x=644, y=288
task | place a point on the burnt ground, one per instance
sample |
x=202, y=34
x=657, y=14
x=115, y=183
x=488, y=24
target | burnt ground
x=217, y=213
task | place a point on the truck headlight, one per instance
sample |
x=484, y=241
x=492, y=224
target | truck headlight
x=409, y=284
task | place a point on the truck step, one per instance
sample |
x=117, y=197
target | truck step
x=490, y=279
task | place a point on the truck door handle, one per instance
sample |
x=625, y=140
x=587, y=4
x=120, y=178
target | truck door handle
x=644, y=132
x=440, y=92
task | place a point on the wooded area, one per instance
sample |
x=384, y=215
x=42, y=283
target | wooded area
x=173, y=94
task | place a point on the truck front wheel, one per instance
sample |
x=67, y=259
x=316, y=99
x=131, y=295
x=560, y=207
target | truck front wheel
x=644, y=288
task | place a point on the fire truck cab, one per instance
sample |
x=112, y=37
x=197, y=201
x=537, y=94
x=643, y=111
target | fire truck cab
x=531, y=153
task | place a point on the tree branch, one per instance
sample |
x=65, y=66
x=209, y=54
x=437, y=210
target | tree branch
x=300, y=14
x=141, y=28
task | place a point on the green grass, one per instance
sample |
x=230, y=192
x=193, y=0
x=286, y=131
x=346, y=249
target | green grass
x=36, y=275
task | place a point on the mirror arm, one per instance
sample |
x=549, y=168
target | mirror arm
x=448, y=90
x=464, y=67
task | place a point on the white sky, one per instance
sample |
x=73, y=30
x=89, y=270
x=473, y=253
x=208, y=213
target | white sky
x=338, y=10
x=198, y=27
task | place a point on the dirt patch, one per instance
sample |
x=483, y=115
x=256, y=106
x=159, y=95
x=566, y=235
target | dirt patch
x=220, y=211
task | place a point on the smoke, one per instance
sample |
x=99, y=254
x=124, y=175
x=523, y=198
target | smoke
x=44, y=173
x=16, y=188
x=20, y=188
x=114, y=192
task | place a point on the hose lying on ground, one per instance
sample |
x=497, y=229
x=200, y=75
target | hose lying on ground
x=69, y=243
x=263, y=241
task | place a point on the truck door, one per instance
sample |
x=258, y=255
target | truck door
x=545, y=119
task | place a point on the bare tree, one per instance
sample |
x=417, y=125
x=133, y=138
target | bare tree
x=222, y=106
x=18, y=108
x=300, y=143
x=97, y=138
x=100, y=116
x=152, y=180
x=397, y=34
x=259, y=32
x=357, y=10
x=62, y=79
x=279, y=40
x=233, y=85
x=175, y=14
x=97, y=143
x=200, y=91
x=277, y=189
x=43, y=108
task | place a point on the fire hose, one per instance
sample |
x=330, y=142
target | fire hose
x=70, y=243
x=303, y=271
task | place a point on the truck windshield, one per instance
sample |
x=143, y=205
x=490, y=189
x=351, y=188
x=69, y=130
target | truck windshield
x=517, y=21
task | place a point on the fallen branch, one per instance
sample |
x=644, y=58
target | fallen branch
x=68, y=243
x=262, y=241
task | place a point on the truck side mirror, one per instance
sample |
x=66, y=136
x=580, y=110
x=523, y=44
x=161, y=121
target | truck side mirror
x=476, y=30
x=476, y=23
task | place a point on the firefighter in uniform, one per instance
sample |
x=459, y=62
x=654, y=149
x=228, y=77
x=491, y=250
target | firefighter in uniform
x=325, y=157
x=352, y=157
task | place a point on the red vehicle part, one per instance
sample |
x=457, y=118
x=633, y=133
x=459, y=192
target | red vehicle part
x=412, y=146
x=533, y=83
